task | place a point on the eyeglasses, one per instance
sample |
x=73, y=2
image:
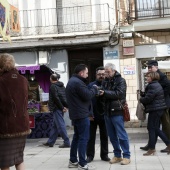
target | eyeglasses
x=101, y=74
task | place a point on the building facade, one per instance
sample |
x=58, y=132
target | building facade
x=63, y=33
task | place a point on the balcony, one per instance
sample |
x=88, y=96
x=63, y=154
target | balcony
x=65, y=20
x=146, y=9
x=150, y=14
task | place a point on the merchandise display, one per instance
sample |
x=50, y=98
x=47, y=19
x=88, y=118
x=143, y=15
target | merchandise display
x=39, y=82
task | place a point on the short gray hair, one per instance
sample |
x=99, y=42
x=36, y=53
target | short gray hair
x=110, y=65
x=7, y=62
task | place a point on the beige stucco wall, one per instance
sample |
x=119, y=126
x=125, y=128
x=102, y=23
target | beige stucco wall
x=152, y=37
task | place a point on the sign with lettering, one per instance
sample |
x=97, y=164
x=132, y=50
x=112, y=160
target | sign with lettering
x=129, y=70
x=128, y=43
x=128, y=51
x=110, y=54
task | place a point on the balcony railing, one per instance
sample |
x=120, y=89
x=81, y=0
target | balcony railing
x=146, y=9
x=65, y=20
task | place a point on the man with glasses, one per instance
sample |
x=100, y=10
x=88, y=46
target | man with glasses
x=165, y=83
x=98, y=120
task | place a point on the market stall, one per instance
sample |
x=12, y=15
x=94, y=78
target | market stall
x=39, y=82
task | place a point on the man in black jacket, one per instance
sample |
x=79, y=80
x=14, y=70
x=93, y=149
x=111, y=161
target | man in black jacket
x=98, y=120
x=79, y=104
x=165, y=83
x=57, y=105
x=114, y=94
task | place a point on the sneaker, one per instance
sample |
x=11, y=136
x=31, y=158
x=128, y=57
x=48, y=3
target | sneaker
x=125, y=161
x=73, y=165
x=86, y=167
x=64, y=146
x=115, y=160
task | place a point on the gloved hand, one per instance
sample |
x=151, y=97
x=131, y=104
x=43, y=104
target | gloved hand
x=142, y=94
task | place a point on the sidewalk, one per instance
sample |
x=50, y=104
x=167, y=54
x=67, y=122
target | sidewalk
x=39, y=157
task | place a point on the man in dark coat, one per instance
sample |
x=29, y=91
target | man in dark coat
x=165, y=83
x=57, y=105
x=98, y=120
x=114, y=94
x=79, y=104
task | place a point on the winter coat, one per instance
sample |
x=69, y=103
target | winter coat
x=14, y=118
x=79, y=98
x=114, y=93
x=165, y=83
x=154, y=97
x=97, y=102
x=57, y=97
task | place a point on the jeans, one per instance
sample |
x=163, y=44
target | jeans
x=80, y=139
x=154, y=129
x=58, y=127
x=118, y=136
x=103, y=139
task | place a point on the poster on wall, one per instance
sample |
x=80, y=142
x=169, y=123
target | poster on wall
x=15, y=25
x=4, y=19
x=129, y=70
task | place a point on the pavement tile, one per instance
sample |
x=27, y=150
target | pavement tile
x=39, y=157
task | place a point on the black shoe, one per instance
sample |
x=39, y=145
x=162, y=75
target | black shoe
x=64, y=146
x=145, y=148
x=47, y=144
x=165, y=150
x=89, y=159
x=105, y=159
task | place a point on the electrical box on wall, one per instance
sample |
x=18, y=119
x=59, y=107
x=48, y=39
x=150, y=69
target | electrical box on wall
x=43, y=57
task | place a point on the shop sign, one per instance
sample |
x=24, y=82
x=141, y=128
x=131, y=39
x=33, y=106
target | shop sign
x=129, y=70
x=111, y=55
x=128, y=43
x=32, y=121
x=128, y=51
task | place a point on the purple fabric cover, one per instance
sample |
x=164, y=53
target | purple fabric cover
x=43, y=80
x=42, y=75
x=31, y=68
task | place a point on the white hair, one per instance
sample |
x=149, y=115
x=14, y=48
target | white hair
x=110, y=65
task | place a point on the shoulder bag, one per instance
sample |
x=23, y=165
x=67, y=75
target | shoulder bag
x=126, y=113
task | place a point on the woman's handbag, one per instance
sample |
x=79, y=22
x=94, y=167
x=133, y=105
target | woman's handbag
x=126, y=113
x=140, y=111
